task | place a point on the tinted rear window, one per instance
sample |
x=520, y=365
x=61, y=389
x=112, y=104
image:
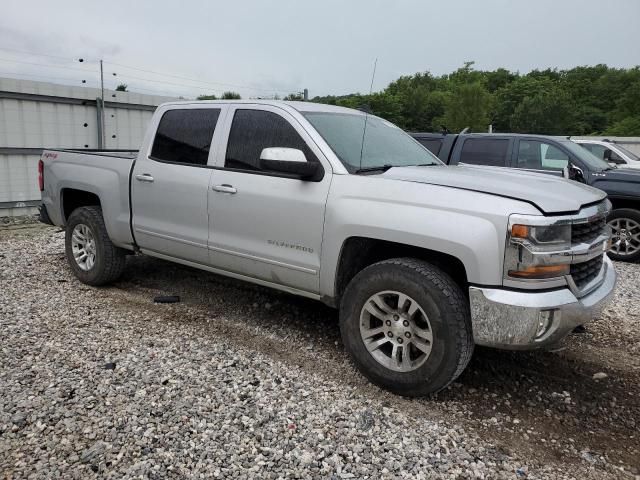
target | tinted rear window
x=485, y=151
x=432, y=144
x=184, y=136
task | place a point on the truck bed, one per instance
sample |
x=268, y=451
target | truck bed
x=104, y=173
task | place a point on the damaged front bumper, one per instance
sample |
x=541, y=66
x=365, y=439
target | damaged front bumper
x=524, y=320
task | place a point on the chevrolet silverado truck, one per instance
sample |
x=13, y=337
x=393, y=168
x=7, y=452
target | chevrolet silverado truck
x=554, y=156
x=422, y=260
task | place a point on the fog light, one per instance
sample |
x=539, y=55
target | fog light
x=545, y=320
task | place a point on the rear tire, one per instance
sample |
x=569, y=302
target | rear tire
x=412, y=301
x=92, y=257
x=625, y=226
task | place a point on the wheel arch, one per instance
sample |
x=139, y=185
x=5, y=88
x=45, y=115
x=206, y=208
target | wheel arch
x=358, y=253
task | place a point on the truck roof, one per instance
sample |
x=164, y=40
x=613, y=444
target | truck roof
x=300, y=106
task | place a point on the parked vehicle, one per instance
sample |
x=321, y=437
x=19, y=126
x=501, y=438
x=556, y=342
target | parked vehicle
x=421, y=259
x=610, y=152
x=560, y=157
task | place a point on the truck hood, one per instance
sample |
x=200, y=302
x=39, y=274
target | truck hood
x=550, y=194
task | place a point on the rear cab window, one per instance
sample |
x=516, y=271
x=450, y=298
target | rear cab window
x=184, y=136
x=431, y=144
x=485, y=151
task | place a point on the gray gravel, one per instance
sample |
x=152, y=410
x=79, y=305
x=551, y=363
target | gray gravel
x=241, y=382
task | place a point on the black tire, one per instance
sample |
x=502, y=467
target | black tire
x=109, y=259
x=443, y=302
x=631, y=215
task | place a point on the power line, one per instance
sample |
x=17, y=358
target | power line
x=89, y=71
x=199, y=81
x=45, y=76
x=45, y=65
x=37, y=54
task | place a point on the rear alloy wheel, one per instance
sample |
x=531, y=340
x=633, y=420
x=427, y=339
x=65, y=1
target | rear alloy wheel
x=625, y=229
x=83, y=246
x=406, y=325
x=94, y=259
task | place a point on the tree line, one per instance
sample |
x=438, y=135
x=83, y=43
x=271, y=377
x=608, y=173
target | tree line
x=586, y=100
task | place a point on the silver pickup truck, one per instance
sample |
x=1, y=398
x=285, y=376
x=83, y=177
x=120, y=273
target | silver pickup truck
x=423, y=260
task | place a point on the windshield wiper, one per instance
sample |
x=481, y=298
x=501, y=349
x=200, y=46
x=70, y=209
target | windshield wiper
x=385, y=167
x=381, y=168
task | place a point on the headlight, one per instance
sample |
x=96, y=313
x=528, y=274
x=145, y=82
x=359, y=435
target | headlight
x=536, y=251
x=540, y=238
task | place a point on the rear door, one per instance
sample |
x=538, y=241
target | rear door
x=490, y=151
x=169, y=188
x=267, y=225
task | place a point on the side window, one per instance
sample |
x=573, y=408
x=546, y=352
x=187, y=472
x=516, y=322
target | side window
x=540, y=156
x=184, y=136
x=254, y=130
x=597, y=150
x=432, y=144
x=485, y=151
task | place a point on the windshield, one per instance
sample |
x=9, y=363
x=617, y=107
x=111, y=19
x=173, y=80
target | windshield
x=593, y=162
x=629, y=154
x=384, y=143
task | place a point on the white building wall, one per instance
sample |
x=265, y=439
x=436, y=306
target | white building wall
x=38, y=115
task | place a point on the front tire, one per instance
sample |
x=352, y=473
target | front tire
x=407, y=327
x=625, y=227
x=92, y=257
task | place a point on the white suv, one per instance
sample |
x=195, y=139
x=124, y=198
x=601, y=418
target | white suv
x=610, y=152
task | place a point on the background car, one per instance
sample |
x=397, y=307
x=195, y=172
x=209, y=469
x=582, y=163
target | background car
x=610, y=152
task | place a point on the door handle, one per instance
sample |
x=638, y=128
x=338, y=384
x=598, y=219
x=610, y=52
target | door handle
x=145, y=177
x=225, y=188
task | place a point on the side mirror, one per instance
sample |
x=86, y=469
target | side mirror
x=287, y=160
x=575, y=173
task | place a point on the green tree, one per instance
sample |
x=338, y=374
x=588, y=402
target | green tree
x=549, y=113
x=122, y=87
x=628, y=127
x=294, y=97
x=230, y=96
x=468, y=105
x=207, y=97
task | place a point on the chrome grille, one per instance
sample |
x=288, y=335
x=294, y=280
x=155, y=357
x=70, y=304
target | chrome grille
x=583, y=273
x=587, y=232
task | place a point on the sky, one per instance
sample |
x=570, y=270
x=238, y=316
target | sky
x=262, y=48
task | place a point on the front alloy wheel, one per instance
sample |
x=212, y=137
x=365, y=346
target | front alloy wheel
x=406, y=325
x=396, y=331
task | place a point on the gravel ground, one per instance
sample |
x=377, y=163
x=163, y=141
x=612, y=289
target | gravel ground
x=240, y=381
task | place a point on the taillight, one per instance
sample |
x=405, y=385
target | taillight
x=41, y=175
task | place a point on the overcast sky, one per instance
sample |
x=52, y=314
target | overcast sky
x=327, y=46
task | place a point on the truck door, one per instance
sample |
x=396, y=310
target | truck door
x=170, y=183
x=265, y=224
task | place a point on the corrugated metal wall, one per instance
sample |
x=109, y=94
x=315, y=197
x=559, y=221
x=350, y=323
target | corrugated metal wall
x=38, y=115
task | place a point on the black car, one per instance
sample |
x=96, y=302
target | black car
x=555, y=156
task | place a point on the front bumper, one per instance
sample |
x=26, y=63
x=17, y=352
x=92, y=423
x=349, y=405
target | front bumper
x=512, y=319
